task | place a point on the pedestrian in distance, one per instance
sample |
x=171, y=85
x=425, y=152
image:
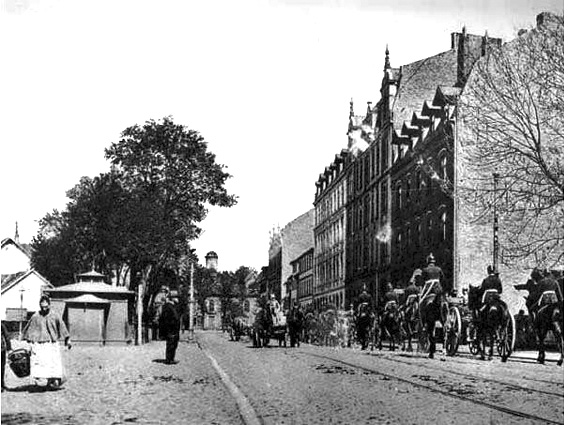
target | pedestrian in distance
x=169, y=328
x=43, y=332
x=6, y=346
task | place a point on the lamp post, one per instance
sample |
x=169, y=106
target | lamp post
x=22, y=290
x=191, y=302
x=495, y=225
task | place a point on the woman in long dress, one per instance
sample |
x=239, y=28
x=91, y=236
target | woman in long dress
x=43, y=332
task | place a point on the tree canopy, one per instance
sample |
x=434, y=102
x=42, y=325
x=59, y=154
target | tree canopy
x=142, y=214
x=514, y=102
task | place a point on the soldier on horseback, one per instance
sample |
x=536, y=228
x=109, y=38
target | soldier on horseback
x=433, y=277
x=414, y=286
x=545, y=290
x=490, y=290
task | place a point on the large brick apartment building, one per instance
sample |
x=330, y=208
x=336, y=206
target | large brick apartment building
x=395, y=209
x=396, y=193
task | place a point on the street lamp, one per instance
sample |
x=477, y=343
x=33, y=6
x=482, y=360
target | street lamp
x=22, y=290
x=495, y=225
x=191, y=302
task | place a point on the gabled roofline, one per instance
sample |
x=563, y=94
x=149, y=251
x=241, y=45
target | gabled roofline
x=22, y=277
x=20, y=247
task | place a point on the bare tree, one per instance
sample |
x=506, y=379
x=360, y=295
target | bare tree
x=513, y=104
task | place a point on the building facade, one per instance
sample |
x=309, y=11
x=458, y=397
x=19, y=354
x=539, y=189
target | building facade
x=330, y=232
x=397, y=210
x=296, y=237
x=302, y=285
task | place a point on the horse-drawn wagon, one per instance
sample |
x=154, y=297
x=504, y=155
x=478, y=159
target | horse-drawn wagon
x=494, y=325
x=266, y=327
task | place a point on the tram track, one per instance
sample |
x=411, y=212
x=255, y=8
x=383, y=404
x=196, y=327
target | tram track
x=484, y=378
x=440, y=391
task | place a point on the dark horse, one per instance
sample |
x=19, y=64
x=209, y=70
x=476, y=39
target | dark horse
x=409, y=319
x=545, y=303
x=430, y=311
x=364, y=322
x=261, y=328
x=390, y=325
x=492, y=322
x=295, y=322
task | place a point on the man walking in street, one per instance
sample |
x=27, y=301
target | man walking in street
x=43, y=332
x=169, y=328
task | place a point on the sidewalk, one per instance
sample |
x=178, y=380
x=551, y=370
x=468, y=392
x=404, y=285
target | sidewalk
x=125, y=384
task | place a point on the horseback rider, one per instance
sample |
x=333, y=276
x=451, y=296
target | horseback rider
x=414, y=286
x=432, y=276
x=390, y=296
x=545, y=283
x=491, y=283
x=363, y=300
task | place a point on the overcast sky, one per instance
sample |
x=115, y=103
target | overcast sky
x=267, y=83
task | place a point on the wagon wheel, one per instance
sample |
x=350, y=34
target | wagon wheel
x=507, y=335
x=472, y=341
x=452, y=331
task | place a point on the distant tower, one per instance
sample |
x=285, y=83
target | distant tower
x=212, y=260
x=17, y=234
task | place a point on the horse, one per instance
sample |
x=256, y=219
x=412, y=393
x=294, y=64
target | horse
x=430, y=309
x=390, y=325
x=550, y=317
x=237, y=328
x=409, y=320
x=545, y=302
x=493, y=320
x=261, y=328
x=363, y=323
x=295, y=322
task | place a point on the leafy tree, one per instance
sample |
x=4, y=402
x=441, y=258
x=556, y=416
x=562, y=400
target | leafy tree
x=142, y=215
x=514, y=104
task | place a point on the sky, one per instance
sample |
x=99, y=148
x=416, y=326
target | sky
x=266, y=82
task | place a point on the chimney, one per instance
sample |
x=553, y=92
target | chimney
x=470, y=48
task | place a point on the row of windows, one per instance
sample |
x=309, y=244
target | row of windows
x=329, y=272
x=420, y=188
x=335, y=300
x=304, y=263
x=332, y=202
x=306, y=287
x=421, y=234
x=331, y=236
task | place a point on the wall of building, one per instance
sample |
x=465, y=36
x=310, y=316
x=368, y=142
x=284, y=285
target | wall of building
x=13, y=260
x=297, y=237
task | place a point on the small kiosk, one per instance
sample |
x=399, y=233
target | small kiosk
x=94, y=311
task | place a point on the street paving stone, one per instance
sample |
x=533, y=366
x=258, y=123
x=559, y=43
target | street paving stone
x=125, y=385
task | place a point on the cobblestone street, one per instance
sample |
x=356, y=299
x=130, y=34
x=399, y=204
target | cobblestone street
x=125, y=384
x=306, y=385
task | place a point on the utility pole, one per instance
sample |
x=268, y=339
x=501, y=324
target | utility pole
x=139, y=308
x=191, y=302
x=495, y=225
x=22, y=315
